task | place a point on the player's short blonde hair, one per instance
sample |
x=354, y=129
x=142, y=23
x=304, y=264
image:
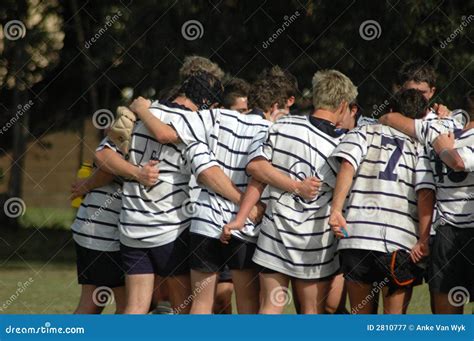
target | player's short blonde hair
x=196, y=64
x=330, y=88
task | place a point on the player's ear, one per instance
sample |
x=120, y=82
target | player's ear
x=290, y=101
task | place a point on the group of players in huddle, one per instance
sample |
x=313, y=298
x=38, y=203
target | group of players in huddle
x=221, y=188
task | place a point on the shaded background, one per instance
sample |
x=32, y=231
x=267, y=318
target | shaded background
x=63, y=61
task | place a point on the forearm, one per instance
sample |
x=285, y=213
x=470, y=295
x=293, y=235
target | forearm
x=398, y=121
x=426, y=202
x=98, y=179
x=110, y=162
x=215, y=179
x=250, y=198
x=452, y=159
x=264, y=172
x=162, y=132
x=343, y=186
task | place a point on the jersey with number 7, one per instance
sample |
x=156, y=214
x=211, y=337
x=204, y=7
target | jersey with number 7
x=381, y=211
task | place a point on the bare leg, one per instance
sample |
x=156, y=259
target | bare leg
x=442, y=305
x=86, y=303
x=274, y=293
x=336, y=300
x=180, y=293
x=246, y=284
x=223, y=300
x=395, y=302
x=203, y=291
x=120, y=299
x=361, y=297
x=312, y=295
x=139, y=291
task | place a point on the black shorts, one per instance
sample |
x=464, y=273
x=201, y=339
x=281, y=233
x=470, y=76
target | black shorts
x=167, y=260
x=367, y=267
x=99, y=268
x=210, y=255
x=225, y=276
x=452, y=259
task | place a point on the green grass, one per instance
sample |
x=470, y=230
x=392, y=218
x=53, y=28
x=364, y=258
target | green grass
x=61, y=218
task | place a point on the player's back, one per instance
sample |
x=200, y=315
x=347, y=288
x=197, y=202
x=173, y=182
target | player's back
x=381, y=211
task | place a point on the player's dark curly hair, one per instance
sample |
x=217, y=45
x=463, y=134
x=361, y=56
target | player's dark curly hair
x=417, y=71
x=234, y=88
x=411, y=103
x=265, y=92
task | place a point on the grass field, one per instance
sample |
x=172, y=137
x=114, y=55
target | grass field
x=40, y=261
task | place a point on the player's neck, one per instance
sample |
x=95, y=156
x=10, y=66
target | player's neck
x=325, y=115
x=185, y=102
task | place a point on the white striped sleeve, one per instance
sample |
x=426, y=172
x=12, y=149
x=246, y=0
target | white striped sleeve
x=424, y=172
x=352, y=148
x=428, y=130
x=200, y=158
x=467, y=155
x=107, y=143
x=190, y=128
x=257, y=146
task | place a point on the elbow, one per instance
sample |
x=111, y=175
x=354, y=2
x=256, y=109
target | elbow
x=252, y=168
x=459, y=165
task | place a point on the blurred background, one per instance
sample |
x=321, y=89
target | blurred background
x=63, y=61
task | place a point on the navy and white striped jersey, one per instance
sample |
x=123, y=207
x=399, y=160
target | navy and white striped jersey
x=454, y=198
x=295, y=237
x=227, y=136
x=381, y=211
x=157, y=215
x=426, y=131
x=96, y=223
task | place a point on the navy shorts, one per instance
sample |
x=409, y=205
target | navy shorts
x=99, y=268
x=452, y=259
x=210, y=255
x=167, y=260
